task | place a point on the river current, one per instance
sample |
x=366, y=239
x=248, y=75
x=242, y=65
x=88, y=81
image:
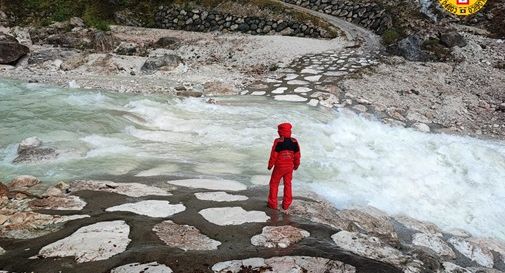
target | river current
x=455, y=182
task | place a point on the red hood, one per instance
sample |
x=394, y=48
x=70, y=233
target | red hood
x=284, y=129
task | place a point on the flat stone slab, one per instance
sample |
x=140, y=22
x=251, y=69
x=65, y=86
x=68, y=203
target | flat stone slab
x=302, y=90
x=210, y=184
x=313, y=78
x=297, y=82
x=286, y=264
x=233, y=216
x=434, y=243
x=290, y=98
x=475, y=252
x=184, y=237
x=220, y=196
x=153, y=267
x=310, y=71
x=279, y=236
x=258, y=93
x=279, y=90
x=151, y=208
x=95, y=242
x=128, y=189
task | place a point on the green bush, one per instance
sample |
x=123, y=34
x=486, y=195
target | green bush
x=390, y=36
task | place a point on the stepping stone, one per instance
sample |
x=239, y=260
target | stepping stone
x=286, y=264
x=244, y=92
x=28, y=224
x=258, y=93
x=210, y=184
x=289, y=77
x=151, y=208
x=153, y=267
x=302, y=89
x=184, y=237
x=233, y=216
x=220, y=196
x=310, y=71
x=297, y=82
x=279, y=90
x=2, y=251
x=272, y=81
x=95, y=242
x=158, y=171
x=279, y=236
x=313, y=102
x=340, y=61
x=289, y=98
x=434, y=243
x=313, y=78
x=128, y=189
x=336, y=73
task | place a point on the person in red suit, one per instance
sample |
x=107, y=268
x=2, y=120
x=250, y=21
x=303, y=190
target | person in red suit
x=284, y=158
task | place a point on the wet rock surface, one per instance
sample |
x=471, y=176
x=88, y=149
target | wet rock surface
x=184, y=237
x=287, y=264
x=95, y=242
x=129, y=189
x=279, y=236
x=153, y=267
x=232, y=216
x=151, y=208
x=220, y=196
x=209, y=184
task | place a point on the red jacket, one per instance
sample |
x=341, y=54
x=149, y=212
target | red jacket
x=285, y=150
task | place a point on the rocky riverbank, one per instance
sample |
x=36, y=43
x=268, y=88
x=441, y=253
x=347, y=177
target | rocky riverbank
x=196, y=225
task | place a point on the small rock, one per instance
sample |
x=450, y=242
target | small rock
x=29, y=143
x=128, y=49
x=184, y=237
x=167, y=62
x=77, y=22
x=279, y=236
x=360, y=108
x=421, y=127
x=452, y=38
x=24, y=181
x=168, y=42
x=479, y=254
x=434, y=243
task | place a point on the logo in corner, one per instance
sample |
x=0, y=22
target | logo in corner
x=462, y=7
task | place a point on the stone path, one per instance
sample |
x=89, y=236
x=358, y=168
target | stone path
x=204, y=234
x=312, y=79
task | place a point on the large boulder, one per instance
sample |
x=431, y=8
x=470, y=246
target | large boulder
x=411, y=48
x=30, y=150
x=167, y=62
x=24, y=181
x=11, y=50
x=167, y=42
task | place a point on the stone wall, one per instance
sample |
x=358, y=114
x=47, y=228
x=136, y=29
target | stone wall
x=369, y=15
x=205, y=21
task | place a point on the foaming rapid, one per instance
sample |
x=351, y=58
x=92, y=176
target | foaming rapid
x=455, y=182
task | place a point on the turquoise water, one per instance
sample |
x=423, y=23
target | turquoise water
x=455, y=182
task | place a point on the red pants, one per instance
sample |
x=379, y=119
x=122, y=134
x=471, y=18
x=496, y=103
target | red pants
x=277, y=174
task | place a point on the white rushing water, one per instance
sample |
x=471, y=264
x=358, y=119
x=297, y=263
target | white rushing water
x=455, y=182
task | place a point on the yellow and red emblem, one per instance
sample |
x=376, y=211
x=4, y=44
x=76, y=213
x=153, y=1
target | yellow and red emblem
x=462, y=7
